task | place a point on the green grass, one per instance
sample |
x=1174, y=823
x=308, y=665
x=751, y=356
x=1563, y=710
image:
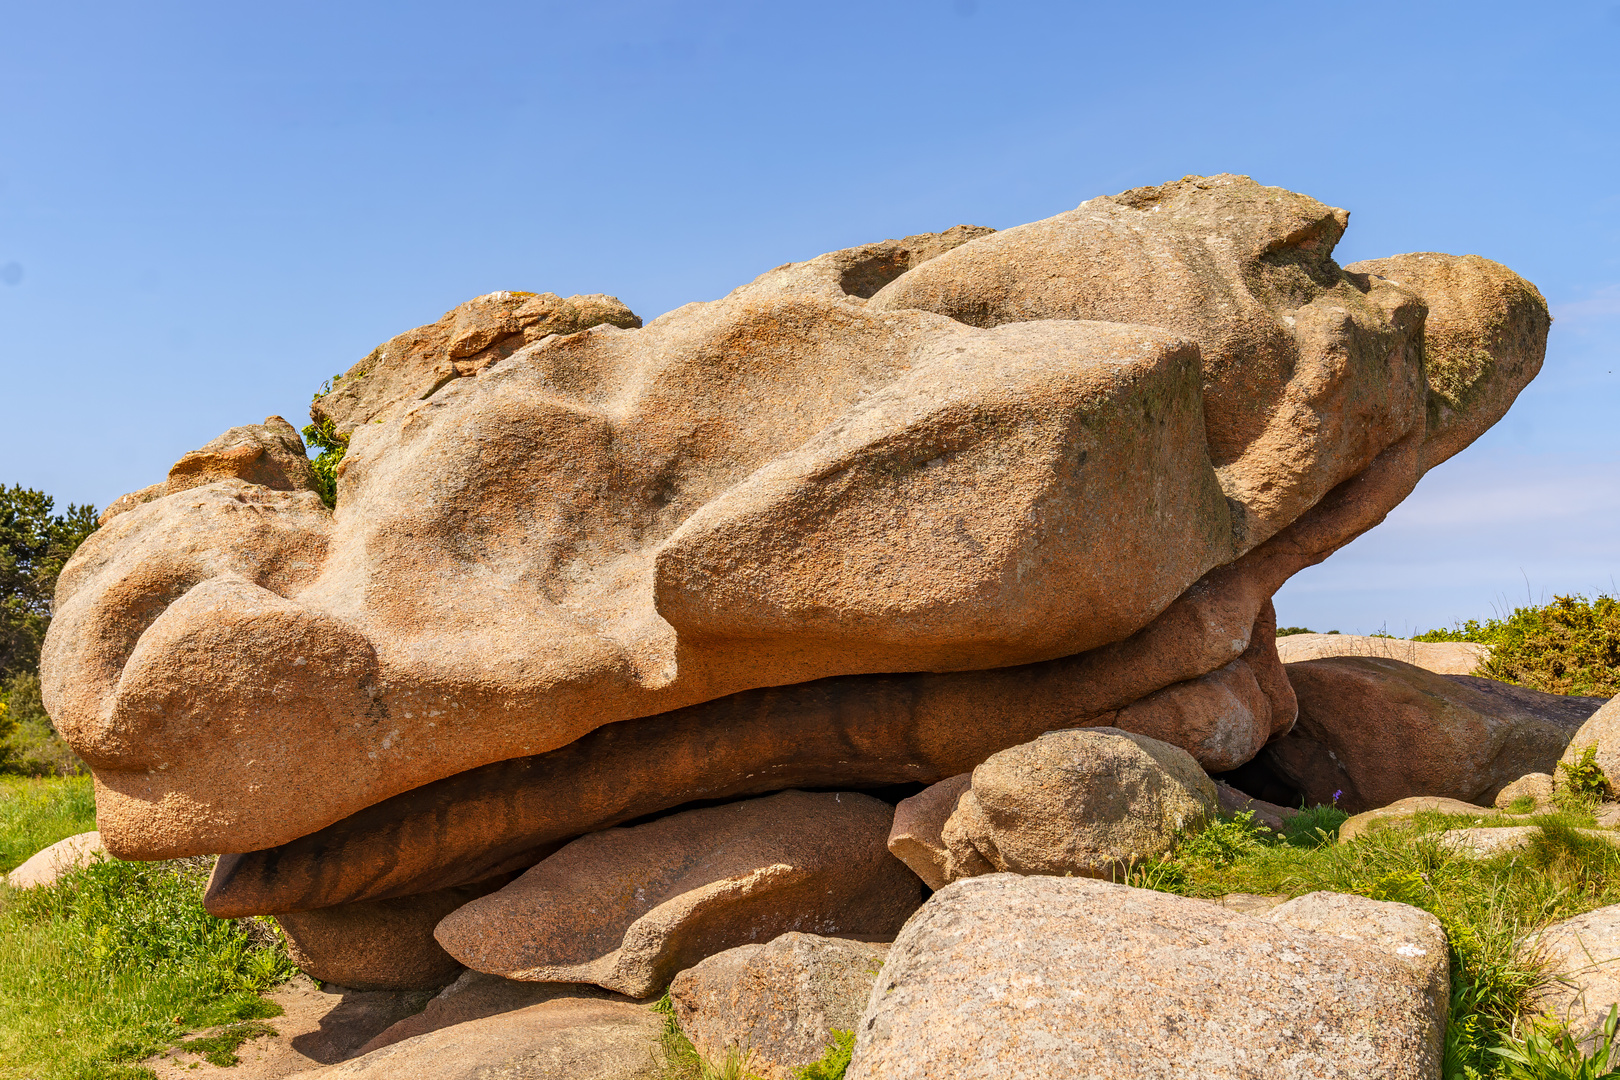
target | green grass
x=1487, y=907
x=117, y=960
x=34, y=814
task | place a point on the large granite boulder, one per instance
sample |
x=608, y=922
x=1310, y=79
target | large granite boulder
x=867, y=520
x=1061, y=977
x=776, y=1004
x=583, y=1037
x=628, y=908
x=1091, y=801
x=1582, y=958
x=379, y=944
x=1601, y=734
x=1374, y=730
x=1440, y=657
x=45, y=866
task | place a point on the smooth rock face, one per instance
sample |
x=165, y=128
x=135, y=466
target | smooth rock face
x=628, y=908
x=474, y=996
x=1537, y=786
x=1088, y=801
x=1069, y=977
x=382, y=945
x=1602, y=731
x=1404, y=810
x=1379, y=730
x=581, y=1038
x=44, y=867
x=917, y=836
x=776, y=1003
x=1440, y=657
x=759, y=492
x=1583, y=957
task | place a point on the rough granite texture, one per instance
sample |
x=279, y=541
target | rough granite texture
x=1602, y=732
x=1037, y=977
x=1583, y=956
x=1090, y=802
x=987, y=484
x=1440, y=657
x=1377, y=730
x=628, y=908
x=777, y=1003
x=917, y=836
x=580, y=1038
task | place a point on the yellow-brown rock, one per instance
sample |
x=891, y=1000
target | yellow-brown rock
x=941, y=494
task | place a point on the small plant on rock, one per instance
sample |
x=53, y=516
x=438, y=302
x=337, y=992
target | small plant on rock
x=834, y=1062
x=1581, y=783
x=1549, y=1052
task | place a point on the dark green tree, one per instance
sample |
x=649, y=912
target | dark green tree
x=35, y=543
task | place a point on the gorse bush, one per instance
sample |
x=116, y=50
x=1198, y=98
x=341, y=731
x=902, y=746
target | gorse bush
x=1570, y=646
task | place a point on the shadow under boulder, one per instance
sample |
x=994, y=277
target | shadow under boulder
x=1374, y=730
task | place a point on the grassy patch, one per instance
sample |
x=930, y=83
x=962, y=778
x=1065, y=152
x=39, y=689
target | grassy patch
x=220, y=1048
x=1486, y=906
x=34, y=814
x=118, y=961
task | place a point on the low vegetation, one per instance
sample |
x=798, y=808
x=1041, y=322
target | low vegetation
x=117, y=960
x=1488, y=908
x=683, y=1062
x=1570, y=646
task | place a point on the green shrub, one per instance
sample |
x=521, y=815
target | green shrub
x=834, y=1062
x=1570, y=646
x=1289, y=631
x=1581, y=782
x=1223, y=841
x=324, y=437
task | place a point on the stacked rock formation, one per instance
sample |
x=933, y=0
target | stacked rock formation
x=867, y=520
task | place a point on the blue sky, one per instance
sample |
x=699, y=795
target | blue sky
x=206, y=210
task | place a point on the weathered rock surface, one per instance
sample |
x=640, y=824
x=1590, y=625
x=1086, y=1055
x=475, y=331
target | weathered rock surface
x=760, y=492
x=1537, y=786
x=380, y=945
x=581, y=1038
x=475, y=995
x=858, y=729
x=1063, y=977
x=317, y=1026
x=1379, y=730
x=1583, y=958
x=415, y=365
x=1087, y=801
x=1601, y=731
x=269, y=455
x=1403, y=810
x=1440, y=657
x=628, y=908
x=44, y=867
x=917, y=836
x=776, y=1003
